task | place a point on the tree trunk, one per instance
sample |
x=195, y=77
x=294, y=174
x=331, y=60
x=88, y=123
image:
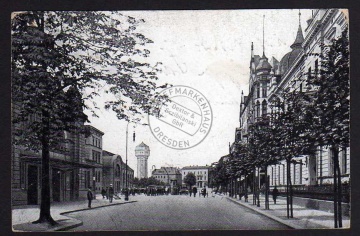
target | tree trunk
x=266, y=190
x=287, y=189
x=45, y=216
x=339, y=188
x=254, y=187
x=335, y=189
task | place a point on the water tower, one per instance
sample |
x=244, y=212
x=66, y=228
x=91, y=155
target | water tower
x=142, y=152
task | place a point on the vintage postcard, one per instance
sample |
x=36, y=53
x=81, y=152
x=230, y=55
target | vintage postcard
x=180, y=120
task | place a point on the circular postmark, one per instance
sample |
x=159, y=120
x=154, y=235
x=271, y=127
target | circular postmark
x=184, y=121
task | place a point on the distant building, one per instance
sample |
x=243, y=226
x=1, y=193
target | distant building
x=168, y=175
x=201, y=173
x=114, y=172
x=93, y=148
x=142, y=152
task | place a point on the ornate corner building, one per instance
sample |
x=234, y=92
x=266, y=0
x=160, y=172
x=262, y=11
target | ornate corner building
x=267, y=82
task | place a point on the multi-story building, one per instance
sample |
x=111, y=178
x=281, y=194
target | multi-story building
x=269, y=80
x=201, y=173
x=114, y=172
x=67, y=162
x=93, y=147
x=168, y=175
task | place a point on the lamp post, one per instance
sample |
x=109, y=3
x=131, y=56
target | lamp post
x=94, y=179
x=126, y=162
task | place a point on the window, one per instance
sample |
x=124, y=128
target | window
x=316, y=67
x=264, y=91
x=257, y=109
x=257, y=91
x=264, y=107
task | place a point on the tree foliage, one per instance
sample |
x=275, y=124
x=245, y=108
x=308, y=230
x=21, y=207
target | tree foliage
x=332, y=93
x=55, y=51
x=190, y=179
x=60, y=60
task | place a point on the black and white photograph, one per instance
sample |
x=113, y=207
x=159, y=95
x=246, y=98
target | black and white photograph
x=180, y=120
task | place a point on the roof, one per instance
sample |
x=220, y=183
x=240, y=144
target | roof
x=107, y=153
x=142, y=145
x=195, y=167
x=166, y=170
x=274, y=63
x=299, y=38
x=92, y=128
x=263, y=64
x=289, y=58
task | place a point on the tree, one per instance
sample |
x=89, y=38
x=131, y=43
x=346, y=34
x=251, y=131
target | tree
x=190, y=179
x=60, y=60
x=331, y=86
x=293, y=123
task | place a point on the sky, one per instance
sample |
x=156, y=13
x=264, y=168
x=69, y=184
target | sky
x=210, y=52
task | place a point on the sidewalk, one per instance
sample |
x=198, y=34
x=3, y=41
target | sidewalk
x=304, y=218
x=22, y=216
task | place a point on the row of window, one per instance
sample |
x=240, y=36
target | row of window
x=194, y=172
x=263, y=90
x=160, y=177
x=278, y=173
x=96, y=142
x=96, y=156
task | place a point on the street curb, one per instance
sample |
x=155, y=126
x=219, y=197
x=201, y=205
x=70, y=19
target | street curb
x=79, y=223
x=291, y=225
x=75, y=223
x=88, y=209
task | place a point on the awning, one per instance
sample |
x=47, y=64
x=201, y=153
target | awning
x=61, y=164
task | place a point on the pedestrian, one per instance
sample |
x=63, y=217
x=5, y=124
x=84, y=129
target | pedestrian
x=111, y=193
x=107, y=193
x=89, y=197
x=103, y=193
x=275, y=194
x=194, y=191
x=203, y=191
x=190, y=191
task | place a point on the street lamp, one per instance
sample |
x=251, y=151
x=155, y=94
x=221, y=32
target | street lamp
x=126, y=160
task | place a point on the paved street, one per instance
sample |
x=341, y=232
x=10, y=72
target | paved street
x=174, y=213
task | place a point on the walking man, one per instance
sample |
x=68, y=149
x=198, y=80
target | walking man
x=203, y=191
x=194, y=191
x=89, y=197
x=111, y=193
x=275, y=193
x=103, y=193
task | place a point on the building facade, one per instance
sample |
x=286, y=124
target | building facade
x=142, y=153
x=68, y=162
x=168, y=175
x=114, y=172
x=201, y=173
x=268, y=80
x=93, y=148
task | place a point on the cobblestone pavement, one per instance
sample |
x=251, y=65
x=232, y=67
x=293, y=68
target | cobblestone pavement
x=174, y=212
